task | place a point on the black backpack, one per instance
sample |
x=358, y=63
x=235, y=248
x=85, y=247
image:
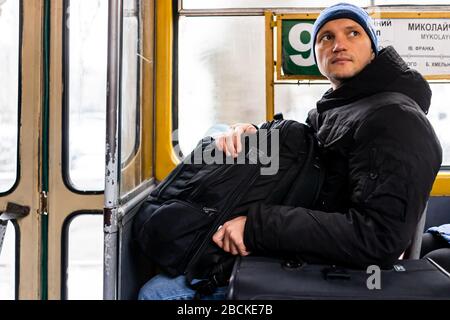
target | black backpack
x=175, y=225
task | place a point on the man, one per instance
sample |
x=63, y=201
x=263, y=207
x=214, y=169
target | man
x=380, y=154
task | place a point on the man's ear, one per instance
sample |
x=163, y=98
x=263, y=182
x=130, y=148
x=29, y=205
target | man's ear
x=373, y=55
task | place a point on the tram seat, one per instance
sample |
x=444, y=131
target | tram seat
x=433, y=247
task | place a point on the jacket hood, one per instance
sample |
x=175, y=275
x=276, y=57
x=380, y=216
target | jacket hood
x=388, y=72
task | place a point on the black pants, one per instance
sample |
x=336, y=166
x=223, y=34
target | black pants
x=436, y=248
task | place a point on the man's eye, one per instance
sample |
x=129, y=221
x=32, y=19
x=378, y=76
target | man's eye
x=354, y=33
x=326, y=37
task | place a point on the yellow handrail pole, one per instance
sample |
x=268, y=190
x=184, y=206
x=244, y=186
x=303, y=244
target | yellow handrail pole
x=270, y=89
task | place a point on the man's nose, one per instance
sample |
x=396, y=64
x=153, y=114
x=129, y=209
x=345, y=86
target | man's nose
x=340, y=43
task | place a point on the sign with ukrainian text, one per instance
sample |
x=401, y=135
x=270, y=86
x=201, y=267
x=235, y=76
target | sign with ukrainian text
x=424, y=44
x=421, y=39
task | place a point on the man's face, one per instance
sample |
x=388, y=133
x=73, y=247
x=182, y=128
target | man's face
x=342, y=49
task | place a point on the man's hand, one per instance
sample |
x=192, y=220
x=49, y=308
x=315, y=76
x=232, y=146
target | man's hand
x=230, y=142
x=230, y=237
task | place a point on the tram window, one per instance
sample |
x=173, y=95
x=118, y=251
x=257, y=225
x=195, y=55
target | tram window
x=87, y=35
x=221, y=74
x=133, y=60
x=295, y=101
x=85, y=258
x=130, y=80
x=217, y=4
x=8, y=264
x=9, y=93
x=439, y=117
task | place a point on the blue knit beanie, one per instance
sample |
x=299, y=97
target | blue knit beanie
x=349, y=11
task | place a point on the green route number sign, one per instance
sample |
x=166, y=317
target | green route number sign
x=297, y=55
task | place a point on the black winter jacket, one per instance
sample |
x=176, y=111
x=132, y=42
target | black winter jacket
x=381, y=156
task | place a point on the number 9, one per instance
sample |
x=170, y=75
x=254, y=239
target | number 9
x=297, y=44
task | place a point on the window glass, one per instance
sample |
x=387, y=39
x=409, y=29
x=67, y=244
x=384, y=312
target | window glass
x=295, y=101
x=221, y=74
x=439, y=117
x=131, y=106
x=85, y=258
x=87, y=32
x=130, y=79
x=217, y=4
x=9, y=92
x=8, y=264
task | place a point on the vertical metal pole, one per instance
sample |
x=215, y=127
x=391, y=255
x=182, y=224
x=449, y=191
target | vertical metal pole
x=413, y=252
x=112, y=174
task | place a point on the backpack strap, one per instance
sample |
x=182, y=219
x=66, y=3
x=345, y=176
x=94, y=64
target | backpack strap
x=220, y=276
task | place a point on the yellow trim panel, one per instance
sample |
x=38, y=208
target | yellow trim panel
x=166, y=159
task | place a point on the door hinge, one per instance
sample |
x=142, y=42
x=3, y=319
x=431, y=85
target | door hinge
x=44, y=203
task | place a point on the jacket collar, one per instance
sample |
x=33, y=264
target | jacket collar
x=387, y=72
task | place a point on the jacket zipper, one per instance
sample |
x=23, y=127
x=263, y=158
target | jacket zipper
x=373, y=175
x=220, y=221
x=208, y=211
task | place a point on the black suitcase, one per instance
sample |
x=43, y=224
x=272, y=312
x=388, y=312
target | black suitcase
x=264, y=278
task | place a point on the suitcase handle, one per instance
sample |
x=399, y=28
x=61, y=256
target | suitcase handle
x=335, y=273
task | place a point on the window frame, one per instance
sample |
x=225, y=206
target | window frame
x=137, y=142
x=65, y=248
x=19, y=103
x=65, y=156
x=16, y=267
